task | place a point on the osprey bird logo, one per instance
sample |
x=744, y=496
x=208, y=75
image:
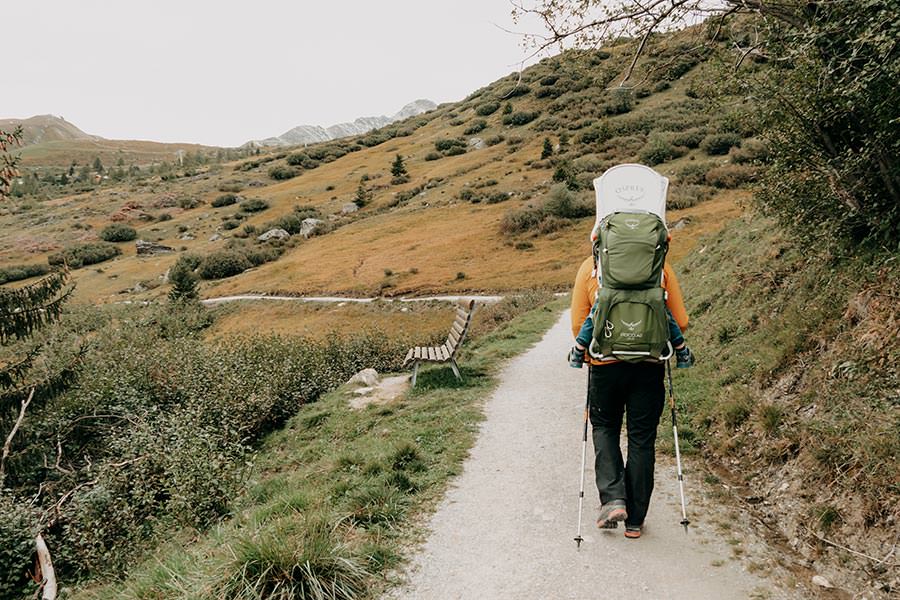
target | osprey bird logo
x=632, y=223
x=631, y=326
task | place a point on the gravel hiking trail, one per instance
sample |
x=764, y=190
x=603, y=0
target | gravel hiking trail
x=505, y=528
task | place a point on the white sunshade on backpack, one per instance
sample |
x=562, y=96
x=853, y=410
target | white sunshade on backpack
x=630, y=188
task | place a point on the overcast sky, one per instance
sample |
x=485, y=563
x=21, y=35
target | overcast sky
x=226, y=71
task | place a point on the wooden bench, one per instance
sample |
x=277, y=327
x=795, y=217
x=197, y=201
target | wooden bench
x=447, y=351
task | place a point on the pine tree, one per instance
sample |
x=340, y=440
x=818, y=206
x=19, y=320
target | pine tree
x=398, y=168
x=547, y=151
x=184, y=281
x=362, y=194
x=98, y=166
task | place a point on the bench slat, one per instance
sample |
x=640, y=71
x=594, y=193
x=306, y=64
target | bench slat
x=458, y=328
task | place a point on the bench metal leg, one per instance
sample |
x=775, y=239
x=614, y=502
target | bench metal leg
x=455, y=368
x=415, y=373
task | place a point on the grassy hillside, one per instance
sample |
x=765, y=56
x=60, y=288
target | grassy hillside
x=794, y=399
x=474, y=214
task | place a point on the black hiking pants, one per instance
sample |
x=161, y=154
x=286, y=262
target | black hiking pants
x=636, y=391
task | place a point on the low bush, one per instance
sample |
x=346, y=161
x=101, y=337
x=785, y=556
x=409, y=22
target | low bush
x=689, y=138
x=188, y=202
x=658, y=150
x=281, y=173
x=455, y=151
x=223, y=263
x=475, y=127
x=229, y=225
x=81, y=255
x=561, y=202
x=20, y=272
x=117, y=232
x=225, y=200
x=494, y=140
x=688, y=195
x=433, y=156
x=497, y=197
x=254, y=205
x=750, y=152
x=303, y=160
x=230, y=186
x=488, y=108
x=520, y=118
x=719, y=143
x=446, y=144
x=731, y=176
x=549, y=80
x=694, y=173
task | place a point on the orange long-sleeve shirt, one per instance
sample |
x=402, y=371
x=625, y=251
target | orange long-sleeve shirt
x=585, y=291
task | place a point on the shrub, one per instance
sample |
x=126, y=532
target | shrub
x=694, y=173
x=686, y=196
x=229, y=225
x=225, y=200
x=85, y=254
x=18, y=522
x=475, y=127
x=730, y=176
x=230, y=186
x=719, y=143
x=689, y=138
x=497, y=197
x=619, y=102
x=561, y=202
x=517, y=119
x=549, y=79
x=750, y=151
x=446, y=144
x=117, y=232
x=657, y=150
x=433, y=156
x=281, y=173
x=254, y=205
x=183, y=279
x=20, y=272
x=162, y=217
x=188, y=202
x=521, y=220
x=301, y=159
x=488, y=108
x=223, y=263
x=494, y=140
x=455, y=151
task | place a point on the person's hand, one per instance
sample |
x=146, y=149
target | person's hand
x=576, y=357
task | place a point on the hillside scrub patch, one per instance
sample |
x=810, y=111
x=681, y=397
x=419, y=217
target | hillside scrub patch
x=517, y=119
x=303, y=160
x=719, y=143
x=254, y=205
x=118, y=232
x=475, y=126
x=20, y=272
x=282, y=173
x=225, y=200
x=223, y=263
x=80, y=255
x=731, y=176
x=658, y=150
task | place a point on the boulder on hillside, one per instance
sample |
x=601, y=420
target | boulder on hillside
x=274, y=234
x=309, y=226
x=365, y=378
x=476, y=143
x=145, y=248
x=348, y=208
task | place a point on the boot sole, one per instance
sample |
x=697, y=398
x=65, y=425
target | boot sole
x=612, y=519
x=632, y=534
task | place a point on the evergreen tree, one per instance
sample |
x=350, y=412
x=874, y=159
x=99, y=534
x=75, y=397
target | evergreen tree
x=98, y=166
x=362, y=194
x=547, y=151
x=184, y=281
x=398, y=167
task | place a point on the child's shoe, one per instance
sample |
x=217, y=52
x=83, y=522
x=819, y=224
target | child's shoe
x=684, y=358
x=576, y=358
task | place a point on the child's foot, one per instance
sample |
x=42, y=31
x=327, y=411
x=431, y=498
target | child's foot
x=633, y=532
x=576, y=357
x=684, y=358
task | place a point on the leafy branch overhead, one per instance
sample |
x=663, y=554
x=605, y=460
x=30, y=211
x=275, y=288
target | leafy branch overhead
x=829, y=99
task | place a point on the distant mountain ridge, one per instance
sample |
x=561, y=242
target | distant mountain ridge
x=45, y=128
x=311, y=134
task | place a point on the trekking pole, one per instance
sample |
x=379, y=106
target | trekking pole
x=587, y=405
x=684, y=519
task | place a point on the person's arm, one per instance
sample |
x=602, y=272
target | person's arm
x=674, y=299
x=581, y=298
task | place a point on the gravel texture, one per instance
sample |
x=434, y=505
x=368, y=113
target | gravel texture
x=505, y=528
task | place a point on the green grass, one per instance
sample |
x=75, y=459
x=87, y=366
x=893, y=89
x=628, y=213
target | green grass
x=335, y=494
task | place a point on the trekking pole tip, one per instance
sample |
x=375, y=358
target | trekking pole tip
x=685, y=523
x=578, y=540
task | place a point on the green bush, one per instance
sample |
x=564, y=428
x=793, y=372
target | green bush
x=689, y=138
x=549, y=79
x=694, y=173
x=254, y=205
x=188, y=202
x=731, y=176
x=443, y=145
x=719, y=143
x=488, y=108
x=455, y=151
x=116, y=232
x=521, y=220
x=620, y=101
x=18, y=528
x=561, y=202
x=657, y=150
x=687, y=195
x=433, y=156
x=494, y=140
x=81, y=255
x=229, y=225
x=20, y=272
x=475, y=127
x=303, y=160
x=281, y=173
x=225, y=200
x=223, y=263
x=517, y=119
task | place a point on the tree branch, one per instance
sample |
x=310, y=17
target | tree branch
x=9, y=439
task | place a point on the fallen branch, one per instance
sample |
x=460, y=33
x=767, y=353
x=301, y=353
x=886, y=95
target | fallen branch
x=7, y=445
x=45, y=566
x=857, y=553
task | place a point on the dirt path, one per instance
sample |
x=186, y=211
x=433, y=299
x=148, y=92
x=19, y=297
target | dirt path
x=506, y=528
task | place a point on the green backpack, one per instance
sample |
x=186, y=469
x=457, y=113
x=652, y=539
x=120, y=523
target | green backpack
x=630, y=321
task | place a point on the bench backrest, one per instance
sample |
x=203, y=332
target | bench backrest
x=460, y=327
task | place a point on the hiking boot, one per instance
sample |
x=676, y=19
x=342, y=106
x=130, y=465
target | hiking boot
x=684, y=358
x=611, y=513
x=576, y=358
x=633, y=532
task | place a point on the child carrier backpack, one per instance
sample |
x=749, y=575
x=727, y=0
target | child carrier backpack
x=630, y=244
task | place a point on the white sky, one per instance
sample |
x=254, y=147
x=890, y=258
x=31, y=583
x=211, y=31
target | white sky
x=224, y=72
